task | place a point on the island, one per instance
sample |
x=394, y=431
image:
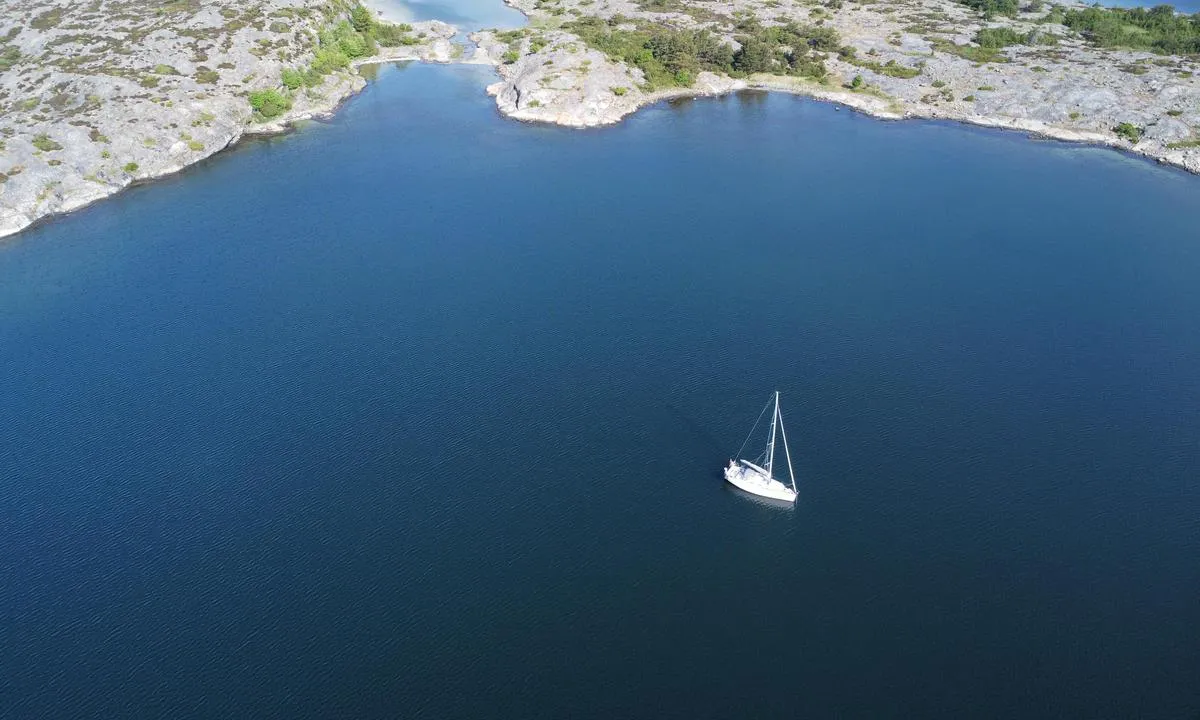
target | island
x=96, y=96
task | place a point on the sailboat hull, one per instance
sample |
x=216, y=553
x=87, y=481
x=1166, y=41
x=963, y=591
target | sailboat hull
x=753, y=479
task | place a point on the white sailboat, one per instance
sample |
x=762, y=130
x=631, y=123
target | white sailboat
x=753, y=477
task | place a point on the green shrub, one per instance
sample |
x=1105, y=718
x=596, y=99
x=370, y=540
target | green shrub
x=1033, y=37
x=131, y=168
x=991, y=8
x=350, y=42
x=393, y=35
x=161, y=69
x=329, y=59
x=1129, y=131
x=510, y=56
x=620, y=90
x=292, y=78
x=993, y=38
x=206, y=76
x=1159, y=28
x=269, y=103
x=666, y=57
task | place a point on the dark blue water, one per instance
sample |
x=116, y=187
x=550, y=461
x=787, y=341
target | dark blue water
x=421, y=414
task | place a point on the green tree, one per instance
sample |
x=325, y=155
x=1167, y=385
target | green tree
x=753, y=56
x=269, y=103
x=676, y=51
x=361, y=19
x=711, y=53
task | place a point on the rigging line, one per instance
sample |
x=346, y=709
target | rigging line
x=756, y=422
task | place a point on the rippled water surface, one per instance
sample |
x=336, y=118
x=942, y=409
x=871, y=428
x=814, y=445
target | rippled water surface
x=421, y=414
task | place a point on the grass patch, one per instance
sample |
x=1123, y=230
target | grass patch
x=973, y=53
x=9, y=56
x=47, y=20
x=44, y=143
x=891, y=68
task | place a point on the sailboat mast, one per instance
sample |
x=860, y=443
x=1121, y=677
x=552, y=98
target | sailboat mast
x=771, y=442
x=786, y=452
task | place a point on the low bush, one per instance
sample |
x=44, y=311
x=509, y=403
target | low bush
x=1129, y=131
x=269, y=103
x=991, y=8
x=993, y=38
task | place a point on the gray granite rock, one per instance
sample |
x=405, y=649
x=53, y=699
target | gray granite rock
x=112, y=92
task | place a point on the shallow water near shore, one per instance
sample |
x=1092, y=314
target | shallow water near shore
x=466, y=14
x=421, y=413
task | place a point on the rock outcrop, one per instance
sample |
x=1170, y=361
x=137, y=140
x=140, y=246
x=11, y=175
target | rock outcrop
x=96, y=96
x=912, y=58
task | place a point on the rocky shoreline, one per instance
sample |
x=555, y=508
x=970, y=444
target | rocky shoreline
x=100, y=99
x=105, y=96
x=1068, y=91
